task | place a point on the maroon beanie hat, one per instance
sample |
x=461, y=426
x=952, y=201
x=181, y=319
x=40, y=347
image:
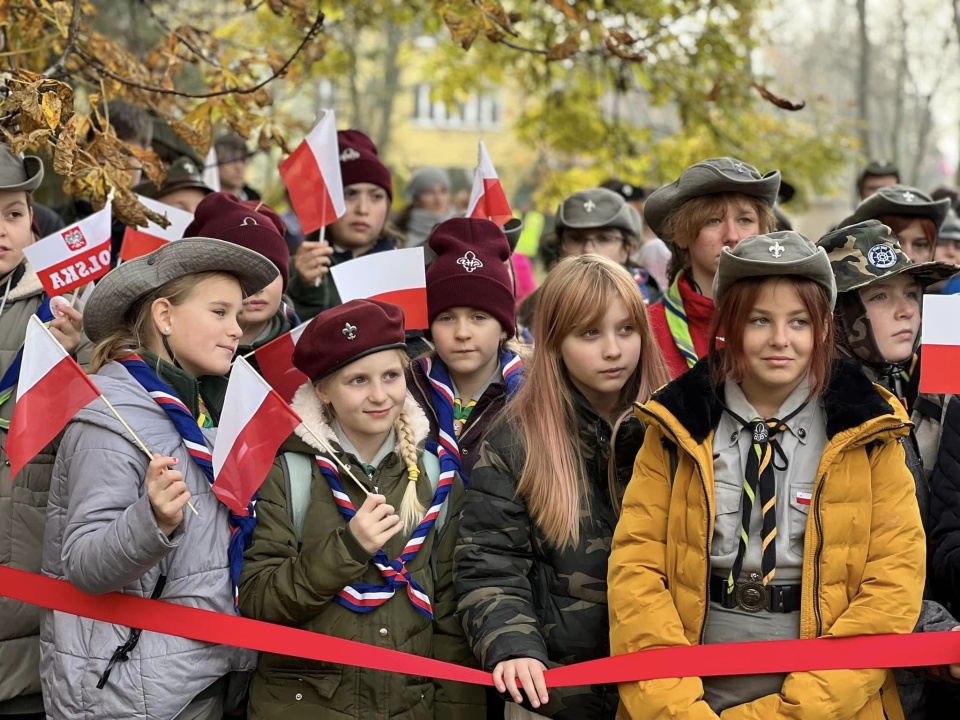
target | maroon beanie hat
x=348, y=332
x=470, y=272
x=359, y=162
x=223, y=216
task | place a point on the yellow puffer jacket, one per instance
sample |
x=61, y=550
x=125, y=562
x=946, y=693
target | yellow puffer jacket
x=864, y=550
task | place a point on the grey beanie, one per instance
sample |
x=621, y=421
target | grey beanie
x=424, y=178
x=777, y=253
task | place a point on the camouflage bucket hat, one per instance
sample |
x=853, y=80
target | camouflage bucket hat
x=716, y=175
x=899, y=200
x=869, y=251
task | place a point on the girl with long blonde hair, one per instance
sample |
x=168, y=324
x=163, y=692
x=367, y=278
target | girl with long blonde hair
x=535, y=533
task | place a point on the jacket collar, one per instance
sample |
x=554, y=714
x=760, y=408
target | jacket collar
x=315, y=419
x=850, y=400
x=26, y=285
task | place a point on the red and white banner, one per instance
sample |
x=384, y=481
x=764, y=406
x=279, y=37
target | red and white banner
x=253, y=426
x=211, y=170
x=51, y=390
x=275, y=360
x=395, y=276
x=73, y=256
x=143, y=241
x=940, y=354
x=487, y=199
x=312, y=176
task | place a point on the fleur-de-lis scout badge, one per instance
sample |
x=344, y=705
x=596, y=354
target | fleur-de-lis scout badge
x=739, y=167
x=909, y=196
x=777, y=249
x=349, y=154
x=350, y=331
x=470, y=261
x=589, y=206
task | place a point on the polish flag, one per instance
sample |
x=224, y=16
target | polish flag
x=51, y=390
x=487, y=200
x=143, y=241
x=940, y=354
x=275, y=360
x=312, y=176
x=253, y=426
x=394, y=276
x=73, y=256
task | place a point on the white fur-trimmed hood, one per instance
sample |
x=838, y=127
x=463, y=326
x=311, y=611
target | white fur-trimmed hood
x=314, y=415
x=29, y=284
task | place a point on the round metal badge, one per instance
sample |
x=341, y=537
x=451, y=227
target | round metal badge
x=882, y=256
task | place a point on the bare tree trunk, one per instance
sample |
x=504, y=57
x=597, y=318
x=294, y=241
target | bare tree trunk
x=899, y=99
x=925, y=111
x=863, y=80
x=390, y=86
x=956, y=27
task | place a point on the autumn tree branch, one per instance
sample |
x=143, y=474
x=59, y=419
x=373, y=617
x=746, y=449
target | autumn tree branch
x=106, y=72
x=189, y=45
x=59, y=67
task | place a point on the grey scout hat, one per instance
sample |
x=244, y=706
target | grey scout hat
x=119, y=289
x=596, y=208
x=899, y=200
x=950, y=230
x=716, y=175
x=778, y=253
x=17, y=174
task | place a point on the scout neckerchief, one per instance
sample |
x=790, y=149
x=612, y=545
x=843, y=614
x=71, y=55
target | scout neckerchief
x=444, y=404
x=759, y=475
x=10, y=378
x=241, y=526
x=677, y=321
x=364, y=597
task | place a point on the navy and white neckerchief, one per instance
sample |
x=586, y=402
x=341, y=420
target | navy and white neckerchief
x=364, y=597
x=241, y=526
x=442, y=399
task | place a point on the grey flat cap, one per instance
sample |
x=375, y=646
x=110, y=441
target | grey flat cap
x=120, y=288
x=777, y=253
x=596, y=208
x=17, y=174
x=900, y=200
x=716, y=175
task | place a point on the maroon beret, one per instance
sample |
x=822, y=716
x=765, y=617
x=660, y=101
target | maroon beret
x=470, y=271
x=348, y=332
x=360, y=163
x=223, y=216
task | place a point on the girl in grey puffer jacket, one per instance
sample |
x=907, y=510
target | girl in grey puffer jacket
x=116, y=520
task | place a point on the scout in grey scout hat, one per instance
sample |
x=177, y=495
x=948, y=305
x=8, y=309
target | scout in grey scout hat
x=777, y=253
x=899, y=200
x=17, y=174
x=948, y=241
x=120, y=289
x=183, y=174
x=716, y=175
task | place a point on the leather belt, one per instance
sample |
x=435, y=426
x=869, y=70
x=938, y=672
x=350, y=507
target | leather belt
x=753, y=596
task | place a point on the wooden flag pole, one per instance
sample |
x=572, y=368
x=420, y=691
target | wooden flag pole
x=323, y=234
x=333, y=455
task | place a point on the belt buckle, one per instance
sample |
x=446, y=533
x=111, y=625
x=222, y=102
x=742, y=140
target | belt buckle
x=753, y=596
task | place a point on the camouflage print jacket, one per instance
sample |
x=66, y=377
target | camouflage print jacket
x=519, y=596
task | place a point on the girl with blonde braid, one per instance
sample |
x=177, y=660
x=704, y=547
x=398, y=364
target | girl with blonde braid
x=365, y=553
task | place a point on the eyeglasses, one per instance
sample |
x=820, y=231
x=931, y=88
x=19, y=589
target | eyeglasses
x=599, y=239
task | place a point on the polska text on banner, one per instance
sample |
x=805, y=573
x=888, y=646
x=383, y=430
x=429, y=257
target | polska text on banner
x=73, y=256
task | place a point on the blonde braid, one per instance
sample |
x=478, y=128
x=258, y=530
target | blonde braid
x=411, y=509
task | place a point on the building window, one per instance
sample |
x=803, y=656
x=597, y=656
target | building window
x=477, y=112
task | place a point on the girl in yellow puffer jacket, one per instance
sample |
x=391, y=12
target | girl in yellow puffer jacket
x=770, y=500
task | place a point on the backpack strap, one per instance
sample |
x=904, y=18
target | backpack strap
x=297, y=478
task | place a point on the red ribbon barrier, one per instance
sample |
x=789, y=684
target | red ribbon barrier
x=775, y=656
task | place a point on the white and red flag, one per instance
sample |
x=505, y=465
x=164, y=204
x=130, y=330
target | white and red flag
x=940, y=354
x=275, y=360
x=253, y=426
x=51, y=390
x=487, y=199
x=143, y=241
x=312, y=176
x=73, y=256
x=211, y=170
x=394, y=276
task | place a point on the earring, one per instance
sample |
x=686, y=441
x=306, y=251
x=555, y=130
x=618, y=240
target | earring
x=166, y=330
